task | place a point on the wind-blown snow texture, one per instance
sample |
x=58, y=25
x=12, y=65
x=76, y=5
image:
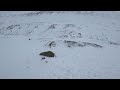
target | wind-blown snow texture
x=86, y=44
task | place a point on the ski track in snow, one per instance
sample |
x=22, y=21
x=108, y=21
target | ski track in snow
x=77, y=37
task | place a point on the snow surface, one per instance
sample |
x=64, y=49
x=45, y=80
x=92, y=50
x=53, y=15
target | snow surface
x=81, y=58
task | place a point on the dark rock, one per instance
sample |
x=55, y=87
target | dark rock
x=92, y=44
x=42, y=58
x=81, y=44
x=52, y=44
x=47, y=54
x=52, y=26
x=113, y=43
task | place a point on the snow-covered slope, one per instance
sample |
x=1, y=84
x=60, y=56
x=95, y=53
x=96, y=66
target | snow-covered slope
x=86, y=44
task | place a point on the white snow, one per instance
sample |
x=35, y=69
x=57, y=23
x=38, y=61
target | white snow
x=19, y=56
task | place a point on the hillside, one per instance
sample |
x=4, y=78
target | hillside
x=86, y=44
